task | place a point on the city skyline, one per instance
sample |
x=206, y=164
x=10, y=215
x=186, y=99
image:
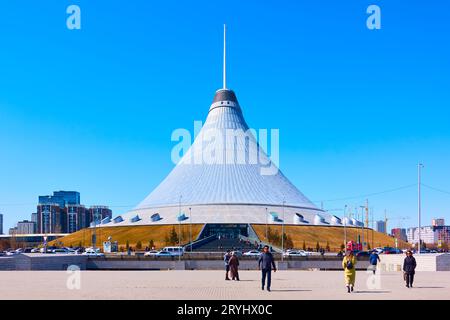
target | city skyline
x=93, y=110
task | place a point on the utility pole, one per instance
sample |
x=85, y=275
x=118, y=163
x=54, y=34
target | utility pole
x=367, y=220
x=282, y=234
x=345, y=228
x=419, y=202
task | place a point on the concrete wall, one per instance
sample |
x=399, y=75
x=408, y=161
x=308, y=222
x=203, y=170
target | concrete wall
x=43, y=262
x=115, y=264
x=425, y=262
x=7, y=264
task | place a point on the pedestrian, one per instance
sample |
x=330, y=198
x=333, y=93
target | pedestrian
x=266, y=264
x=374, y=259
x=234, y=266
x=349, y=263
x=409, y=268
x=226, y=260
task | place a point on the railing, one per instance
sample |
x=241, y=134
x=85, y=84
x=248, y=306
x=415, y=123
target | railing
x=253, y=240
x=197, y=243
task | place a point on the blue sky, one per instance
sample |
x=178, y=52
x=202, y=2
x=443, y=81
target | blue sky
x=93, y=110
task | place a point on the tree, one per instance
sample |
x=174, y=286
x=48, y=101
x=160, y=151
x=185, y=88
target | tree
x=288, y=243
x=368, y=246
x=317, y=246
x=304, y=245
x=151, y=244
x=328, y=247
x=127, y=245
x=173, y=237
x=139, y=245
x=342, y=247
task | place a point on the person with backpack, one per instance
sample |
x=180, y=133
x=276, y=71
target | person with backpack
x=226, y=260
x=409, y=268
x=349, y=264
x=374, y=259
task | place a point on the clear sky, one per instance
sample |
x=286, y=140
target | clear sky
x=93, y=110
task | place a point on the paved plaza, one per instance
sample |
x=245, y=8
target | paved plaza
x=204, y=285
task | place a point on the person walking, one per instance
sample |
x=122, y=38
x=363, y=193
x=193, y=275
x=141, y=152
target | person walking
x=234, y=266
x=349, y=263
x=266, y=264
x=409, y=268
x=226, y=260
x=373, y=260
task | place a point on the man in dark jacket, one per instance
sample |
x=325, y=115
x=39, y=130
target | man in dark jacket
x=265, y=264
x=374, y=259
x=409, y=267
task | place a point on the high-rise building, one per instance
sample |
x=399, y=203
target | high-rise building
x=50, y=218
x=26, y=227
x=62, y=198
x=438, y=222
x=34, y=218
x=98, y=213
x=77, y=218
x=12, y=231
x=1, y=223
x=399, y=233
x=380, y=226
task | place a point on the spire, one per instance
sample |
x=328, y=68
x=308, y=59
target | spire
x=224, y=56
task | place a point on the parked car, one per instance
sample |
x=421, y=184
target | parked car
x=151, y=253
x=362, y=254
x=93, y=252
x=175, y=251
x=252, y=253
x=163, y=253
x=35, y=250
x=60, y=250
x=296, y=253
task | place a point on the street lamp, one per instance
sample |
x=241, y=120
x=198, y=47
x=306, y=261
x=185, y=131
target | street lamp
x=179, y=228
x=345, y=228
x=282, y=234
x=362, y=227
x=190, y=227
x=419, y=200
x=267, y=231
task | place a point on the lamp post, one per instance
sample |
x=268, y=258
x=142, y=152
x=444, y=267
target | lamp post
x=190, y=227
x=345, y=228
x=282, y=234
x=419, y=202
x=362, y=227
x=267, y=230
x=179, y=229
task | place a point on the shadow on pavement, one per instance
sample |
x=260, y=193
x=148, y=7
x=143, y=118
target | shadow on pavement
x=360, y=291
x=289, y=290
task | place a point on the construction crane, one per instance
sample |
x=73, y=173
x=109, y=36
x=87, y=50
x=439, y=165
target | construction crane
x=386, y=219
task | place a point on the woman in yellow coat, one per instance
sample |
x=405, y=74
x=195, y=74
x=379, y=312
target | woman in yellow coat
x=349, y=264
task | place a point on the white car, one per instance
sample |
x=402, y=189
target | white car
x=35, y=250
x=60, y=251
x=93, y=252
x=252, y=253
x=11, y=253
x=296, y=253
x=175, y=251
x=151, y=253
x=164, y=253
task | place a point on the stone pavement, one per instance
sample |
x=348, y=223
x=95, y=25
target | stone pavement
x=204, y=285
